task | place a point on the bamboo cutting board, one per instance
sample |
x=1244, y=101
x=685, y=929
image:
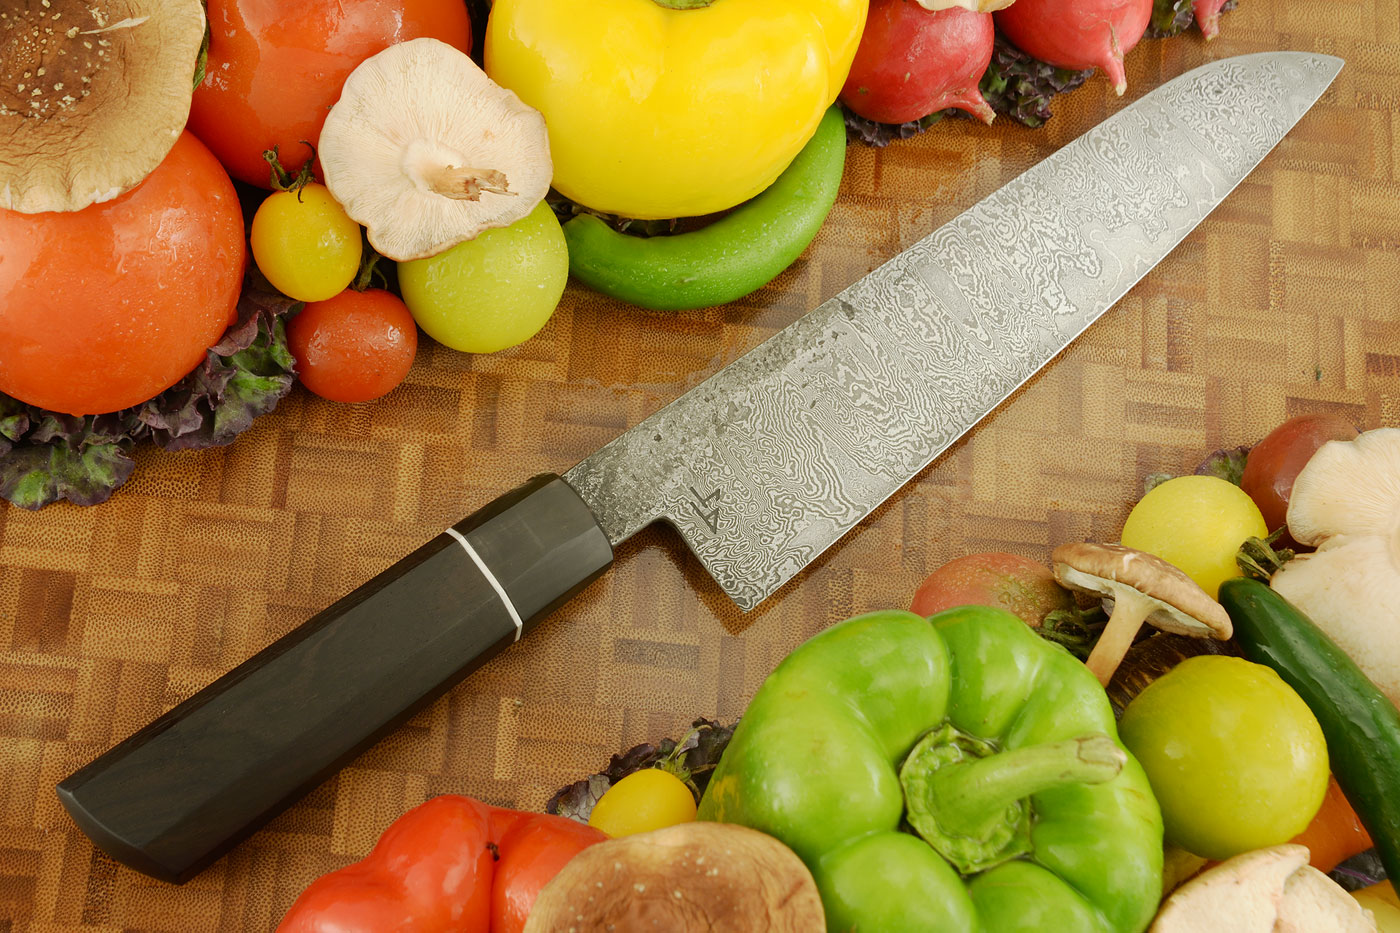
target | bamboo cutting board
x=1286, y=300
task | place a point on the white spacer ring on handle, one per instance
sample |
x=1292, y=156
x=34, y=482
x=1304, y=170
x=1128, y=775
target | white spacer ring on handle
x=491, y=579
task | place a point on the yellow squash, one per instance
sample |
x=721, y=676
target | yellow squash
x=657, y=112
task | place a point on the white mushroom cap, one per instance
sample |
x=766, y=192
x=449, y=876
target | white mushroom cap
x=1266, y=891
x=1348, y=488
x=1144, y=588
x=426, y=151
x=93, y=93
x=1346, y=501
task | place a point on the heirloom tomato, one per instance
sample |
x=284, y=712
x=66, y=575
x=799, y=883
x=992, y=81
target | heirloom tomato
x=275, y=70
x=1021, y=586
x=106, y=307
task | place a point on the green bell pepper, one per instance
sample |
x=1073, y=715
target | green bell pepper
x=998, y=748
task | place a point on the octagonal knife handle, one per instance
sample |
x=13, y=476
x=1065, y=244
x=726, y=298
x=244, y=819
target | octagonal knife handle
x=185, y=789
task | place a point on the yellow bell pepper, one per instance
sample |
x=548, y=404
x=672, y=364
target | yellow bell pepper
x=673, y=108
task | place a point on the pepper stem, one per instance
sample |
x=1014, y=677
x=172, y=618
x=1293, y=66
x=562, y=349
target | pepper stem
x=971, y=802
x=683, y=4
x=1130, y=610
x=972, y=794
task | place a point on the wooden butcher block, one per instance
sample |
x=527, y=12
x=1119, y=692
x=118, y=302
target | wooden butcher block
x=1286, y=300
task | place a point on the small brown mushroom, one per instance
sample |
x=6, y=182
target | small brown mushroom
x=93, y=93
x=1266, y=891
x=1144, y=588
x=426, y=151
x=688, y=878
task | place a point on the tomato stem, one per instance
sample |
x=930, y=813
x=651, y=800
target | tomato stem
x=1075, y=629
x=1258, y=559
x=281, y=179
x=369, y=266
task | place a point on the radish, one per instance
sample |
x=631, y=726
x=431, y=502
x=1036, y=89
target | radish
x=912, y=62
x=1208, y=16
x=1079, y=33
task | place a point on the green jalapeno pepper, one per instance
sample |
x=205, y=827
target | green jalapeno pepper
x=737, y=254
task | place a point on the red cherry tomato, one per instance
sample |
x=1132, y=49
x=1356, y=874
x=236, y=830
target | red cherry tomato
x=106, y=307
x=275, y=69
x=1276, y=461
x=1017, y=584
x=354, y=347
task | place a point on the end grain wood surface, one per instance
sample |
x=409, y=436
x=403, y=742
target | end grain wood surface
x=1287, y=300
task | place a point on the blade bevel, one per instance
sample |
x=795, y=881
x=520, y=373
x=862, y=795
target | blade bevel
x=771, y=460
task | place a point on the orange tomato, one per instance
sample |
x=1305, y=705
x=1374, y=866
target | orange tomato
x=1335, y=833
x=275, y=69
x=103, y=308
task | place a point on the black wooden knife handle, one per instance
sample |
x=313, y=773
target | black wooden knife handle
x=185, y=789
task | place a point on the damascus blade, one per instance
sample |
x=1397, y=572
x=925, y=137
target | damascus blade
x=770, y=461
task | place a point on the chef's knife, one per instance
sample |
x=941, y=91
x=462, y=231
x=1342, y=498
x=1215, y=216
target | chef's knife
x=760, y=468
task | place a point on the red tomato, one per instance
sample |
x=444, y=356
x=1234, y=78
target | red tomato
x=103, y=308
x=354, y=347
x=1005, y=581
x=1276, y=461
x=275, y=69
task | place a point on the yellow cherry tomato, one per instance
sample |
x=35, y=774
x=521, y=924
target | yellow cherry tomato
x=1196, y=524
x=308, y=247
x=643, y=801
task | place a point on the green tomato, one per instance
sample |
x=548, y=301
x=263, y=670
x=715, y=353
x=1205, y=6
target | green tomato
x=305, y=243
x=492, y=292
x=1236, y=759
x=1196, y=524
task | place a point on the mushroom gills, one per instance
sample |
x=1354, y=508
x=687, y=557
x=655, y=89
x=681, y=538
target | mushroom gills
x=1271, y=890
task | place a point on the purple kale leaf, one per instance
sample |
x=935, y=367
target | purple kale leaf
x=1021, y=86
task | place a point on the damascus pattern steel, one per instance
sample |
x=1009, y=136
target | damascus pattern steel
x=771, y=460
